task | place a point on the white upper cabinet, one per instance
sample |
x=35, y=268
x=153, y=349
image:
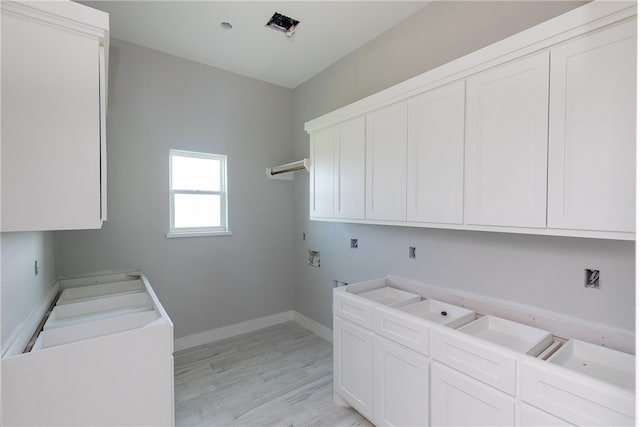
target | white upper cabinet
x=53, y=111
x=592, y=139
x=535, y=134
x=337, y=171
x=386, y=163
x=349, y=169
x=506, y=144
x=435, y=158
x=322, y=174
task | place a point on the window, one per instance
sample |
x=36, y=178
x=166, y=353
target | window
x=198, y=194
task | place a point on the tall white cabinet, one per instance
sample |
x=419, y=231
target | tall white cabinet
x=506, y=144
x=53, y=116
x=592, y=138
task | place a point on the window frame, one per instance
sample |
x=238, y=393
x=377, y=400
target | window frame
x=223, y=229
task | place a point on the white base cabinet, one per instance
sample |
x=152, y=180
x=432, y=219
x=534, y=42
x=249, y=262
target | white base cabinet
x=95, y=362
x=398, y=366
x=401, y=385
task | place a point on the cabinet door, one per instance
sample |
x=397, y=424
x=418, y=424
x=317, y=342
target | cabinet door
x=50, y=127
x=353, y=365
x=457, y=400
x=349, y=173
x=592, y=138
x=436, y=155
x=386, y=163
x=401, y=385
x=506, y=144
x=321, y=184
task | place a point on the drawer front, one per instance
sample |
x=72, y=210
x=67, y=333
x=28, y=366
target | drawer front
x=575, y=398
x=353, y=309
x=411, y=334
x=475, y=359
x=534, y=417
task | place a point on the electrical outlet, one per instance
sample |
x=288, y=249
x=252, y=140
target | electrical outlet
x=591, y=278
x=304, y=236
x=36, y=270
x=412, y=252
x=354, y=243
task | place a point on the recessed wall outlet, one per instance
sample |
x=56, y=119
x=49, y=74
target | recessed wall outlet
x=591, y=278
x=354, y=243
x=36, y=270
x=412, y=252
x=314, y=258
x=304, y=236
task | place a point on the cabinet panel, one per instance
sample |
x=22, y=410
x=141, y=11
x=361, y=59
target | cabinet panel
x=349, y=173
x=321, y=178
x=401, y=385
x=457, y=400
x=436, y=155
x=353, y=365
x=592, y=138
x=386, y=163
x=353, y=308
x=506, y=144
x=531, y=417
x=476, y=359
x=51, y=130
x=401, y=329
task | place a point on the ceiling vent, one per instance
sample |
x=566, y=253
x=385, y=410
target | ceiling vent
x=283, y=23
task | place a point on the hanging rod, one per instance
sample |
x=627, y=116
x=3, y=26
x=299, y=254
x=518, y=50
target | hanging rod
x=286, y=171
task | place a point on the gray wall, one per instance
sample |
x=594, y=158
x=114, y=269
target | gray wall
x=158, y=102
x=22, y=291
x=542, y=271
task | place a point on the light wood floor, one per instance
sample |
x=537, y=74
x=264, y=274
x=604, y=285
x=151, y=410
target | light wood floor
x=278, y=376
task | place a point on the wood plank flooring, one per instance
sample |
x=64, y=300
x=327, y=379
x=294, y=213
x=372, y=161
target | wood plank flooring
x=277, y=376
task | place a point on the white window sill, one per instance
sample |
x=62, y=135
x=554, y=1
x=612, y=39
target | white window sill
x=177, y=234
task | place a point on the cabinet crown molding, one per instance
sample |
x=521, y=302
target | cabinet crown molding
x=66, y=14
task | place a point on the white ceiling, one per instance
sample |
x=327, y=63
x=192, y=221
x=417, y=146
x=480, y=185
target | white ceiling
x=328, y=30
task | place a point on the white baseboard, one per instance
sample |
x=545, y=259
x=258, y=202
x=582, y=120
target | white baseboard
x=217, y=334
x=315, y=327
